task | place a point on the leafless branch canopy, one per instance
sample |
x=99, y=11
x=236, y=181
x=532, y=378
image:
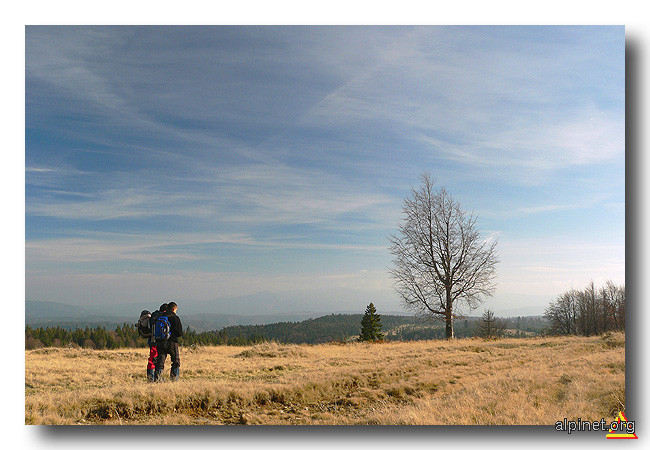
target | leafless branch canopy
x=439, y=255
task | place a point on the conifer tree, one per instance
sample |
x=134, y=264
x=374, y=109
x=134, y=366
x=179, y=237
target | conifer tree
x=491, y=327
x=371, y=325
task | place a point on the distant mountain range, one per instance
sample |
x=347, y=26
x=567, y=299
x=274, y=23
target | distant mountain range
x=45, y=314
x=52, y=310
x=256, y=309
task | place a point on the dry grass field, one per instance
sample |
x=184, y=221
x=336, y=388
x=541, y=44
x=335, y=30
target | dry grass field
x=465, y=381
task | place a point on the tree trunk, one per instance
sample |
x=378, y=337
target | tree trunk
x=449, y=327
x=449, y=321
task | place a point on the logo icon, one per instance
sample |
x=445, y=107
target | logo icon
x=621, y=429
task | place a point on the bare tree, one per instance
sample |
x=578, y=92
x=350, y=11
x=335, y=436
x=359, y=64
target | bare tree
x=620, y=306
x=563, y=313
x=582, y=312
x=616, y=300
x=440, y=257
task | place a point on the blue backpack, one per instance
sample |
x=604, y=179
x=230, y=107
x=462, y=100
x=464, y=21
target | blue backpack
x=162, y=329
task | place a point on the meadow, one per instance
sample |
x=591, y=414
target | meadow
x=529, y=381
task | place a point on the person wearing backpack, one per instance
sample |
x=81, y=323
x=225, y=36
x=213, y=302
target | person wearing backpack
x=151, y=341
x=167, y=342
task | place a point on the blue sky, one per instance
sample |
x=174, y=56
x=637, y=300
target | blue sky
x=202, y=162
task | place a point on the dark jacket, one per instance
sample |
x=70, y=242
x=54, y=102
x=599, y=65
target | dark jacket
x=175, y=325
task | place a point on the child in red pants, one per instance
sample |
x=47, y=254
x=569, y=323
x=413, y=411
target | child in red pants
x=153, y=347
x=151, y=364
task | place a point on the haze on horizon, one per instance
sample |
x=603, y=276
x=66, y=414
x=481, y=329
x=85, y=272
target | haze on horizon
x=197, y=163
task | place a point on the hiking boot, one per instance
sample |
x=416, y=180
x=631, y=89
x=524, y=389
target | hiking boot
x=174, y=373
x=157, y=375
x=150, y=375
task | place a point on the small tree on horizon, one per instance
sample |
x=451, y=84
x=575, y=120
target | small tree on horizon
x=491, y=327
x=371, y=325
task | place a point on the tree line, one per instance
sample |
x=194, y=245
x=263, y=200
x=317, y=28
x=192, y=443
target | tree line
x=330, y=328
x=333, y=327
x=124, y=336
x=589, y=311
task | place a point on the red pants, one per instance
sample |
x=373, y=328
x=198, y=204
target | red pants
x=153, y=354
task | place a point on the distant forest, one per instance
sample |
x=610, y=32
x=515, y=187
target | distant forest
x=331, y=328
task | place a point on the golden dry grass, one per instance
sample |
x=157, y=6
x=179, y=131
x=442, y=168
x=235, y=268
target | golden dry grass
x=466, y=381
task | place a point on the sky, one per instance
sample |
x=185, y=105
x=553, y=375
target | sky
x=195, y=163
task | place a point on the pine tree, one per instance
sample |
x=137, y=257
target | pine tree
x=371, y=325
x=491, y=327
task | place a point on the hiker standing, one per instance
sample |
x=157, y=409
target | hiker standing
x=168, y=344
x=153, y=347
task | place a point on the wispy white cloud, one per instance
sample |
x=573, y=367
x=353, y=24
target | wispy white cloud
x=491, y=108
x=127, y=203
x=39, y=169
x=255, y=194
x=165, y=248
